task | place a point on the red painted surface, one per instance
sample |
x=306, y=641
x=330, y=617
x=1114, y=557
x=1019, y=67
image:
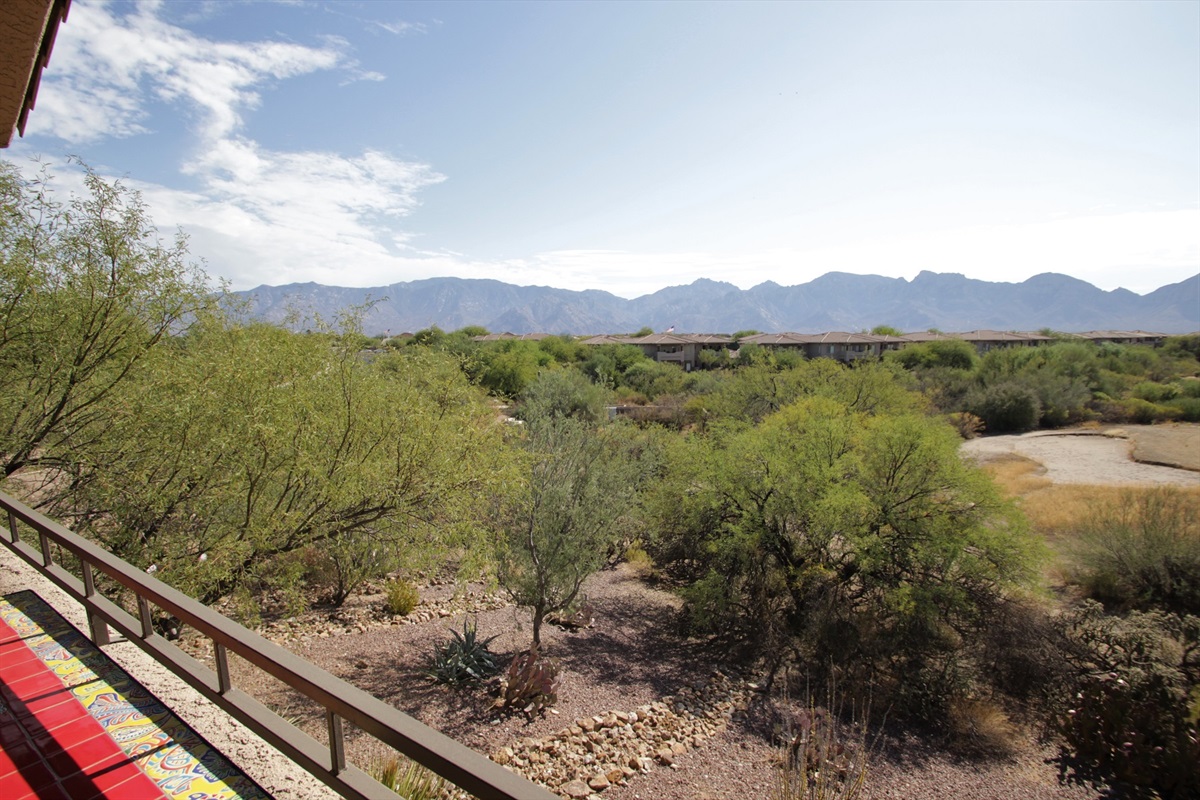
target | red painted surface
x=50, y=747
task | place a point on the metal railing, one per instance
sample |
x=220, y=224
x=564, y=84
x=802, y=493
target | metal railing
x=342, y=702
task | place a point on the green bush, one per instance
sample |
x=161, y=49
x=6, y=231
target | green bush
x=402, y=597
x=1006, y=407
x=1143, y=412
x=1155, y=392
x=1188, y=408
x=1142, y=550
x=463, y=659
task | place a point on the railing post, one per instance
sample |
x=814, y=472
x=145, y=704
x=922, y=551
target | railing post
x=47, y=560
x=144, y=615
x=337, y=747
x=223, y=681
x=12, y=528
x=96, y=623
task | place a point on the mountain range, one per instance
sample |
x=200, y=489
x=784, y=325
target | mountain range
x=836, y=301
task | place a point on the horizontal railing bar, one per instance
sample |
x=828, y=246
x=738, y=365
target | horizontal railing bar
x=441, y=754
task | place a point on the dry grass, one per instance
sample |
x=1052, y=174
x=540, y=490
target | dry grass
x=982, y=728
x=1055, y=511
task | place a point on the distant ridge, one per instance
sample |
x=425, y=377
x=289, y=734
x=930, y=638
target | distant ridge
x=834, y=301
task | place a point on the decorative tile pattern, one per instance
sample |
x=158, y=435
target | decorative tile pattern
x=181, y=764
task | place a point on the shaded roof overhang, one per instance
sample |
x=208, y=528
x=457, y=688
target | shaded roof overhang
x=27, y=30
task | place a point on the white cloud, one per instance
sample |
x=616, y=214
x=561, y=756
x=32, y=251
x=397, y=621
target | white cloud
x=111, y=65
x=400, y=27
x=257, y=214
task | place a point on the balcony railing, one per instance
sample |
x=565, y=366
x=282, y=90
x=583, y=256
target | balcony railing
x=34, y=537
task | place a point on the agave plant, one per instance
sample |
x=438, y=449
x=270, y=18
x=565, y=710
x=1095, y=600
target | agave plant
x=464, y=658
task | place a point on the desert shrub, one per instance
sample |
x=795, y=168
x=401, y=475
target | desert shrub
x=410, y=780
x=354, y=559
x=1141, y=549
x=402, y=597
x=1154, y=392
x=1133, y=715
x=1006, y=407
x=1188, y=408
x=1023, y=653
x=532, y=682
x=1189, y=387
x=1143, y=412
x=981, y=728
x=852, y=539
x=556, y=394
x=968, y=425
x=826, y=756
x=639, y=560
x=952, y=353
x=463, y=659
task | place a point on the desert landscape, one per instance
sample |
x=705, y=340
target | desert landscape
x=722, y=732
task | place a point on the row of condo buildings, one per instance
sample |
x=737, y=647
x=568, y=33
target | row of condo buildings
x=684, y=349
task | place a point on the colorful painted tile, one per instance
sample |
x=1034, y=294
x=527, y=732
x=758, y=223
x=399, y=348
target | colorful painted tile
x=176, y=759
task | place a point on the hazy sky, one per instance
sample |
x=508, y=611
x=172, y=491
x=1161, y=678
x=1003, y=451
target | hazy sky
x=630, y=146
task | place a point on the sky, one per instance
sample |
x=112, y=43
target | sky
x=630, y=146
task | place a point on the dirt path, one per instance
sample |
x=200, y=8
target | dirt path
x=1103, y=456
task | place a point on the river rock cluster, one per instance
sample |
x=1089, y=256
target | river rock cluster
x=593, y=753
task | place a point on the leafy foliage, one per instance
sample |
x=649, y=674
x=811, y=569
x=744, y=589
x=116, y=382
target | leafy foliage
x=87, y=293
x=556, y=525
x=1006, y=408
x=243, y=443
x=402, y=597
x=854, y=537
x=463, y=658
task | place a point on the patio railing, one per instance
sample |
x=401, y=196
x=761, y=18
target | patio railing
x=34, y=537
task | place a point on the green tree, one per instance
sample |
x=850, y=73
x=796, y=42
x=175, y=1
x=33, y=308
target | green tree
x=508, y=366
x=606, y=364
x=242, y=444
x=562, y=393
x=949, y=353
x=886, y=330
x=555, y=528
x=87, y=291
x=857, y=538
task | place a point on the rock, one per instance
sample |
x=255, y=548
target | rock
x=503, y=755
x=575, y=788
x=665, y=756
x=615, y=775
x=599, y=782
x=678, y=748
